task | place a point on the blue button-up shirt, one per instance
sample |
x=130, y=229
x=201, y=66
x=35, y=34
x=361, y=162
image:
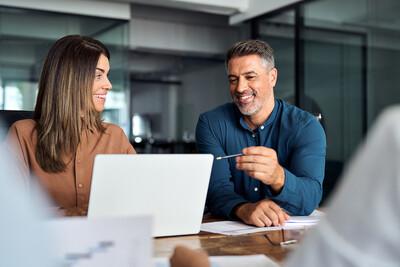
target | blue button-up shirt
x=296, y=136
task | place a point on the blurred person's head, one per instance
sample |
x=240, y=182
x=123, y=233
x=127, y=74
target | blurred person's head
x=72, y=90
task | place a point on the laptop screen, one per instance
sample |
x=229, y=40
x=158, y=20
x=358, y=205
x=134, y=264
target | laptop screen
x=171, y=188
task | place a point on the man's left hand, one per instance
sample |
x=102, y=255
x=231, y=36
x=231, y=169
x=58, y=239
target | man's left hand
x=262, y=164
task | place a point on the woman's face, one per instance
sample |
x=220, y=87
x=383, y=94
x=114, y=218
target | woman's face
x=101, y=84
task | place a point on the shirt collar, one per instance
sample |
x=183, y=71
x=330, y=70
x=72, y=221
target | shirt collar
x=268, y=122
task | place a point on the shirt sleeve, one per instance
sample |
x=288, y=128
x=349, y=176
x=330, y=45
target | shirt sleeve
x=118, y=140
x=304, y=174
x=221, y=196
x=127, y=146
x=15, y=148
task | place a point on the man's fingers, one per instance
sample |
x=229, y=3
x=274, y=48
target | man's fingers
x=263, y=221
x=253, y=167
x=257, y=150
x=260, y=159
x=261, y=165
x=273, y=217
x=262, y=214
x=282, y=216
x=259, y=218
x=266, y=219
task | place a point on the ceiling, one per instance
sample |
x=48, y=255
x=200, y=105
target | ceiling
x=221, y=7
x=237, y=10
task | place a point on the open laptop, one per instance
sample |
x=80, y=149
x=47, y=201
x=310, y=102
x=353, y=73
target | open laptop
x=172, y=188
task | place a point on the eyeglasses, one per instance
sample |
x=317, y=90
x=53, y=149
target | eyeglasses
x=283, y=240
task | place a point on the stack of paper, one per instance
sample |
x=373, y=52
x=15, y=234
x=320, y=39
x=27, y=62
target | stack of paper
x=240, y=228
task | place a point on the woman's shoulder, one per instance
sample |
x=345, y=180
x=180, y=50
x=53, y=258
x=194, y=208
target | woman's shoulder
x=21, y=130
x=24, y=125
x=116, y=138
x=112, y=128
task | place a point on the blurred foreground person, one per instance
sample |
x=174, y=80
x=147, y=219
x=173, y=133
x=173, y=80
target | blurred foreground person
x=23, y=239
x=362, y=226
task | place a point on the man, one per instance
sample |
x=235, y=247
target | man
x=362, y=225
x=283, y=161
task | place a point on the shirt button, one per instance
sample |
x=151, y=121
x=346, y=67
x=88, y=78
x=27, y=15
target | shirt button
x=256, y=189
x=253, y=135
x=80, y=185
x=262, y=127
x=79, y=161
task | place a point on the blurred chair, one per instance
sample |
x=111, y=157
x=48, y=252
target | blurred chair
x=318, y=116
x=8, y=117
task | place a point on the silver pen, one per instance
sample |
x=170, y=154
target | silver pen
x=229, y=156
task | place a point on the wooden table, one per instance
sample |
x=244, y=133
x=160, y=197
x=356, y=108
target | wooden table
x=217, y=244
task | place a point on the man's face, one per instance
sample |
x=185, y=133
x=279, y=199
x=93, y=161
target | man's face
x=250, y=83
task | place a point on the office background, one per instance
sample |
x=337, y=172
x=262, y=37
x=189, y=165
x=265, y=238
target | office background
x=340, y=58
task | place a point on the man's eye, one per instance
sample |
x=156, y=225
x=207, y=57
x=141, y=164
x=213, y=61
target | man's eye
x=250, y=77
x=232, y=80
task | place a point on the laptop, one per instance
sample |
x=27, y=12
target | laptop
x=171, y=188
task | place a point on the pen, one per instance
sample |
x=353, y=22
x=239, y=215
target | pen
x=229, y=156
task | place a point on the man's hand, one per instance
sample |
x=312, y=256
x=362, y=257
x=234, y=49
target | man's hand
x=186, y=257
x=262, y=213
x=262, y=164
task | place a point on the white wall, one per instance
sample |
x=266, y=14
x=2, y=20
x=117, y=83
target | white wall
x=183, y=32
x=108, y=9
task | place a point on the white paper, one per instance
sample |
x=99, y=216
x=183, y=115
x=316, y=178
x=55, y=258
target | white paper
x=228, y=261
x=240, y=228
x=123, y=242
x=314, y=217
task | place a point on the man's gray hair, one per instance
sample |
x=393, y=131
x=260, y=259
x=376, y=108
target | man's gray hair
x=252, y=47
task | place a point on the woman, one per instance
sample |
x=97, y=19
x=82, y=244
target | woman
x=59, y=145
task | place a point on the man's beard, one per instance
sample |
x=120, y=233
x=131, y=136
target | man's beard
x=251, y=108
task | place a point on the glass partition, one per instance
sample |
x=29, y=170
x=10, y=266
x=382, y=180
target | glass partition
x=26, y=36
x=349, y=56
x=279, y=32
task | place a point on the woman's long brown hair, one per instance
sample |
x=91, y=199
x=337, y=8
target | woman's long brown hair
x=64, y=105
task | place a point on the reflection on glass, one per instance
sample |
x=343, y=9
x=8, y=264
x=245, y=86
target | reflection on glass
x=141, y=127
x=13, y=99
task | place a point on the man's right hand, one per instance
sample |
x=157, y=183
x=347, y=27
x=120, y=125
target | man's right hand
x=263, y=213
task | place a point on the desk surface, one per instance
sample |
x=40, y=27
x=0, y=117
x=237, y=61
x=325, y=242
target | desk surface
x=217, y=244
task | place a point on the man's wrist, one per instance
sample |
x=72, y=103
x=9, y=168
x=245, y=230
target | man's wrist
x=234, y=212
x=278, y=186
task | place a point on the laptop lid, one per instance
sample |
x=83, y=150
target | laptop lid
x=172, y=188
